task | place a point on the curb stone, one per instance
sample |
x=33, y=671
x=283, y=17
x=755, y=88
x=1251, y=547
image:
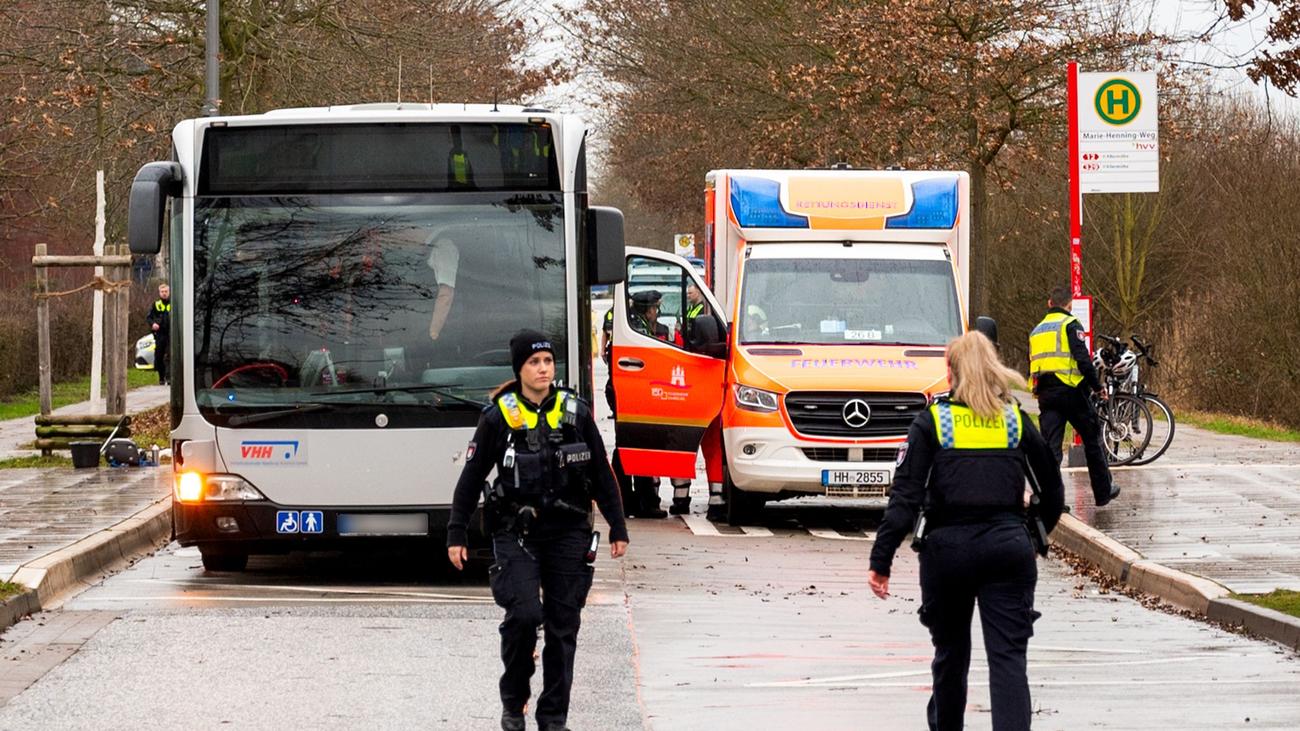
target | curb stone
x=52, y=575
x=1205, y=597
x=1275, y=625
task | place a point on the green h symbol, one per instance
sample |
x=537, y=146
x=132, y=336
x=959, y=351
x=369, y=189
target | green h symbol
x=1116, y=98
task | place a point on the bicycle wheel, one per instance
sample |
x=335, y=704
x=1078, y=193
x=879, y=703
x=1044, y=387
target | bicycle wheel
x=1162, y=429
x=1125, y=428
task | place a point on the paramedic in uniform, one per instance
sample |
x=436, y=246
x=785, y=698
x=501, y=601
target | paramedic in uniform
x=964, y=465
x=550, y=464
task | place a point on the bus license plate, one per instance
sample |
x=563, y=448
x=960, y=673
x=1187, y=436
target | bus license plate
x=855, y=477
x=383, y=524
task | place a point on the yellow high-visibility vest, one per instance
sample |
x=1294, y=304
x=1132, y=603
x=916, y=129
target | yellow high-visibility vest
x=1049, y=350
x=519, y=416
x=958, y=427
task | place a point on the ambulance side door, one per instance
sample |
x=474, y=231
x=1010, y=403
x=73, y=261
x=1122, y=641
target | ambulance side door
x=666, y=395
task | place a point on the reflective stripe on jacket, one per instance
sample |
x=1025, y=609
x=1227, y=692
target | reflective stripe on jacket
x=1049, y=350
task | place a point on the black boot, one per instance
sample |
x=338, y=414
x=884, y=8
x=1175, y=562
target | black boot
x=680, y=507
x=512, y=721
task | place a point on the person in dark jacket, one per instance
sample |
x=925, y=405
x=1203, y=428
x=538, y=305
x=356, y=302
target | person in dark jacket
x=964, y=465
x=550, y=463
x=160, y=322
x=1062, y=375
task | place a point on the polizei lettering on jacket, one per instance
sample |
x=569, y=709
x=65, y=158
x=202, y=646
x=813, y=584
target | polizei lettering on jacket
x=853, y=363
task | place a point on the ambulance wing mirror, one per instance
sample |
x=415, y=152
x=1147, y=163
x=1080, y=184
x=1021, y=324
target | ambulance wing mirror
x=155, y=182
x=605, y=239
x=711, y=336
x=988, y=326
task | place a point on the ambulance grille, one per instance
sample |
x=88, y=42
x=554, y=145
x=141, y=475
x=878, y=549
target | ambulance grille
x=820, y=413
x=841, y=454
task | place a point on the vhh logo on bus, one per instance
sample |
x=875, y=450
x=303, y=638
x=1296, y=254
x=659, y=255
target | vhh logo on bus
x=272, y=452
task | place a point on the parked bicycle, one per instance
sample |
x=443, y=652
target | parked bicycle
x=1120, y=367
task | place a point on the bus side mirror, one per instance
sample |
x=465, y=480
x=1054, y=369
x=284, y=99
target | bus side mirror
x=605, y=237
x=988, y=326
x=149, y=191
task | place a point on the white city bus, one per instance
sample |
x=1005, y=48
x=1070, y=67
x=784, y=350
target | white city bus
x=345, y=280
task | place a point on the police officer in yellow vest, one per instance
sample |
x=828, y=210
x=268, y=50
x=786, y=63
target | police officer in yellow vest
x=160, y=322
x=964, y=466
x=550, y=464
x=1061, y=375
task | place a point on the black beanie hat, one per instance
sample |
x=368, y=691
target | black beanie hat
x=524, y=344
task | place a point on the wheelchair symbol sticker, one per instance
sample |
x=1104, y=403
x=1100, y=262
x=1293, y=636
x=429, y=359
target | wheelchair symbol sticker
x=286, y=521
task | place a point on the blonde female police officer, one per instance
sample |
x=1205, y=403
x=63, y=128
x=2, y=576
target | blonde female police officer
x=550, y=463
x=964, y=462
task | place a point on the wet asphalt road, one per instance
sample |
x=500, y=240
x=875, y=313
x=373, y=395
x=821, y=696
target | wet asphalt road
x=753, y=631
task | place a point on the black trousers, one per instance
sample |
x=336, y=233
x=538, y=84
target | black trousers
x=992, y=564
x=640, y=494
x=162, y=355
x=552, y=565
x=1056, y=407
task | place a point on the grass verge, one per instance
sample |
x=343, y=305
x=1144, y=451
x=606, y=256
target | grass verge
x=1281, y=600
x=10, y=589
x=1239, y=426
x=69, y=392
x=36, y=460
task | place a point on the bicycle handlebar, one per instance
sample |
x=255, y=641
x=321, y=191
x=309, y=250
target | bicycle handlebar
x=1144, y=348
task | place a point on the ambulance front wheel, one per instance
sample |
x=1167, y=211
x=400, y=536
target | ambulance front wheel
x=222, y=561
x=742, y=507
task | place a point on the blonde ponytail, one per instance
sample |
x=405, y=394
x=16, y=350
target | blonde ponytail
x=979, y=379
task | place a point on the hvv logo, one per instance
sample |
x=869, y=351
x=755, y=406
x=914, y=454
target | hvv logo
x=261, y=452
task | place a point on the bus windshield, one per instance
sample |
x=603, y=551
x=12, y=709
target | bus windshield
x=849, y=302
x=369, y=302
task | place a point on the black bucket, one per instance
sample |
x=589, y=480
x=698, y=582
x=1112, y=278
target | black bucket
x=84, y=454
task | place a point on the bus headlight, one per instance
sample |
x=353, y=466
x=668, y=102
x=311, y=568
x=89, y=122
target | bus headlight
x=192, y=487
x=229, y=487
x=189, y=487
x=756, y=399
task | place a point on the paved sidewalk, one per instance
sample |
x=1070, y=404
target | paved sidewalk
x=14, y=433
x=1223, y=507
x=44, y=510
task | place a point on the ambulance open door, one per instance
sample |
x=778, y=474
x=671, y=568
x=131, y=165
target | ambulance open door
x=666, y=395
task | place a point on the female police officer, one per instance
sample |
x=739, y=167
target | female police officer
x=964, y=465
x=550, y=463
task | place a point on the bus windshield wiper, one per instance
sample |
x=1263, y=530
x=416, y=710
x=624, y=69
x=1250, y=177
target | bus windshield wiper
x=242, y=419
x=438, y=389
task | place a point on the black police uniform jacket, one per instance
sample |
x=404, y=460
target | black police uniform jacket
x=964, y=486
x=491, y=440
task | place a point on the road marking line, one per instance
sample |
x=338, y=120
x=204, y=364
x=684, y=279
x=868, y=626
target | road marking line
x=837, y=536
x=700, y=526
x=202, y=585
x=198, y=599
x=842, y=679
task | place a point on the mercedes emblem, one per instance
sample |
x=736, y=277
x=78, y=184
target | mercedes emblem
x=856, y=413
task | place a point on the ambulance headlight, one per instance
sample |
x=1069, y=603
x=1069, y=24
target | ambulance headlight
x=219, y=488
x=756, y=399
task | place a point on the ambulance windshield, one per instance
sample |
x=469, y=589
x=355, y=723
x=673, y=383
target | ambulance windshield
x=849, y=302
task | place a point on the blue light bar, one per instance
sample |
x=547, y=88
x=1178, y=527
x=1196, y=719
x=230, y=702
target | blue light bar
x=934, y=205
x=756, y=202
